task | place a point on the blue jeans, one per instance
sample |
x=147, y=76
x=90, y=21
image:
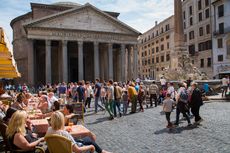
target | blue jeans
x=125, y=107
x=88, y=141
x=117, y=104
x=97, y=104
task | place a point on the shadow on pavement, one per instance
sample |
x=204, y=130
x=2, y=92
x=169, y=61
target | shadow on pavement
x=100, y=120
x=175, y=130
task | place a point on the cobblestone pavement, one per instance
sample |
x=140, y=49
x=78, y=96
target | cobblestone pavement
x=145, y=132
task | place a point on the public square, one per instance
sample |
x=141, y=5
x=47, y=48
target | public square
x=147, y=133
x=75, y=76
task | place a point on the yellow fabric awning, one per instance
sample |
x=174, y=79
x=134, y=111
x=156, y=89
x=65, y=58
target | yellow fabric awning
x=8, y=67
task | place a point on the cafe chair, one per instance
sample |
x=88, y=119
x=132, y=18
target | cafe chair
x=58, y=144
x=7, y=146
x=78, y=109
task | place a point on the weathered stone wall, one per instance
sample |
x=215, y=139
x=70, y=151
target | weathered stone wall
x=21, y=47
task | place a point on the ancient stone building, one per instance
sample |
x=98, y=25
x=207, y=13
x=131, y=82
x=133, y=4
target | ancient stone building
x=70, y=42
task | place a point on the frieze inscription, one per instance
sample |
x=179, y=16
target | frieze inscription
x=86, y=35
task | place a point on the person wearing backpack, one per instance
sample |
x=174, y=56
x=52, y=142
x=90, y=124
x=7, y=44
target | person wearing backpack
x=182, y=101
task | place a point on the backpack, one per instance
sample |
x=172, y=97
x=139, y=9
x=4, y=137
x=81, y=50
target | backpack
x=184, y=96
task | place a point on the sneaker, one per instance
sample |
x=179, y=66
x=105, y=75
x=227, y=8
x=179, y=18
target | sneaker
x=189, y=124
x=198, y=122
x=111, y=118
x=176, y=124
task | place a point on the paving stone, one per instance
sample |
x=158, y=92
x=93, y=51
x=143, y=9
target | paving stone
x=145, y=132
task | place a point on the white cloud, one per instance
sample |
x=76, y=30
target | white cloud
x=139, y=14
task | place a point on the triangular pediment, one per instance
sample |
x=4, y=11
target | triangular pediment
x=87, y=18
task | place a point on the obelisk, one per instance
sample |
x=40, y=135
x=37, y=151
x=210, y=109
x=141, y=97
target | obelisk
x=179, y=46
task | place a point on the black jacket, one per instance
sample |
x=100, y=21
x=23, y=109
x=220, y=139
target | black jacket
x=196, y=98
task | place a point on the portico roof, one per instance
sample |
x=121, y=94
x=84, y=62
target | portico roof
x=35, y=23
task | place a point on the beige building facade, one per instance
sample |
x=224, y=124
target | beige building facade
x=155, y=48
x=221, y=37
x=198, y=33
x=70, y=42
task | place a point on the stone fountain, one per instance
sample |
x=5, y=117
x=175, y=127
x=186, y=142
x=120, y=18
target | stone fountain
x=181, y=67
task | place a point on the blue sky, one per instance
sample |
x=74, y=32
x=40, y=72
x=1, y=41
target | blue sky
x=139, y=14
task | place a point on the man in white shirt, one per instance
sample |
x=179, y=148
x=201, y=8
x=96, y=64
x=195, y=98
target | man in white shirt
x=163, y=82
x=225, y=83
x=51, y=98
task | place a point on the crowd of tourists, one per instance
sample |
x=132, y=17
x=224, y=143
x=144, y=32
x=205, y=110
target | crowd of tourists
x=112, y=97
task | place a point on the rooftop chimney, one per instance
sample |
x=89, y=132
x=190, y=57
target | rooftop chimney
x=155, y=23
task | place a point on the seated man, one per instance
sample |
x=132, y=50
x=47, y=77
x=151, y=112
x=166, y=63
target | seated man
x=43, y=104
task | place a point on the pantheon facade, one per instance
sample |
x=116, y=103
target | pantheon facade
x=70, y=42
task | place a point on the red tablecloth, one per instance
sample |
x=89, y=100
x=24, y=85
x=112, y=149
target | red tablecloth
x=79, y=131
x=40, y=125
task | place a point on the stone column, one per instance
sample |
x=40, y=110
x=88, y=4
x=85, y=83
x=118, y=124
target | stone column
x=178, y=22
x=110, y=54
x=129, y=63
x=31, y=63
x=135, y=61
x=123, y=62
x=96, y=60
x=80, y=60
x=48, y=61
x=179, y=46
x=64, y=61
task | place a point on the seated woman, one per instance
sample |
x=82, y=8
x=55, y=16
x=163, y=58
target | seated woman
x=57, y=127
x=19, y=103
x=17, y=135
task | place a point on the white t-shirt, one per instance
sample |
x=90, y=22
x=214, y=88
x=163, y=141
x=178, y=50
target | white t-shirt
x=163, y=81
x=61, y=133
x=171, y=91
x=225, y=82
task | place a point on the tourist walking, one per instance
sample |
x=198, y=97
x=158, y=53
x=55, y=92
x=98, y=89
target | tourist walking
x=196, y=102
x=62, y=89
x=163, y=82
x=97, y=94
x=171, y=91
x=132, y=93
x=225, y=84
x=141, y=97
x=103, y=94
x=110, y=102
x=117, y=97
x=167, y=108
x=81, y=92
x=154, y=92
x=125, y=101
x=89, y=95
x=182, y=102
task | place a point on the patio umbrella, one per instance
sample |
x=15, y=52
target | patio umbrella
x=8, y=67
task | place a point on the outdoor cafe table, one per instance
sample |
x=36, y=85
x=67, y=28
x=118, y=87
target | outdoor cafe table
x=79, y=131
x=34, y=114
x=40, y=125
